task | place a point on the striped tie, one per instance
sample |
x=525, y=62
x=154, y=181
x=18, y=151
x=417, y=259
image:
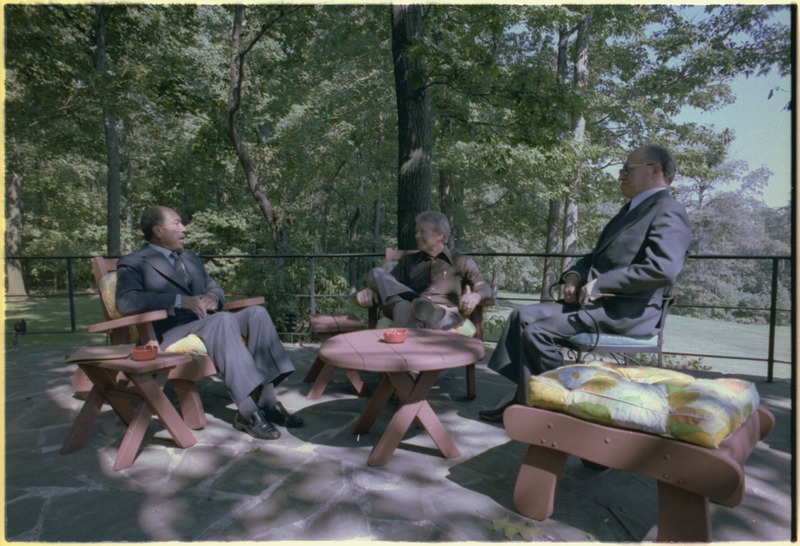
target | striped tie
x=181, y=269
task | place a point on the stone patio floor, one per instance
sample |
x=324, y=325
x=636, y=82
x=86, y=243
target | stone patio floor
x=313, y=484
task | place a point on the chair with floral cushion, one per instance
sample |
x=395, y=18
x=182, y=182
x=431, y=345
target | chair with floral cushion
x=692, y=435
x=139, y=329
x=471, y=327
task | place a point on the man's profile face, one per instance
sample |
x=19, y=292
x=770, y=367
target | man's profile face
x=640, y=176
x=170, y=232
x=427, y=239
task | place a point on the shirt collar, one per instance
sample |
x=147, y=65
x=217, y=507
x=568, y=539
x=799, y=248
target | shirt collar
x=165, y=251
x=446, y=254
x=636, y=201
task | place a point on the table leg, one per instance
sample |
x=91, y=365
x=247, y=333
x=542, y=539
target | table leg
x=152, y=387
x=375, y=405
x=323, y=376
x=414, y=407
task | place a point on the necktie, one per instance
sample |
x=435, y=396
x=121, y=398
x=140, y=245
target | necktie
x=181, y=269
x=617, y=220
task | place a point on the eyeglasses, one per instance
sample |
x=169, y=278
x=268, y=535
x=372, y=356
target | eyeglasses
x=627, y=168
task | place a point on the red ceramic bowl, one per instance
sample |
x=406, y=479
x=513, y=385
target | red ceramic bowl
x=144, y=353
x=395, y=335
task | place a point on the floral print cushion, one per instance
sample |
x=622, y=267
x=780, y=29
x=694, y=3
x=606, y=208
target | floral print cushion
x=656, y=400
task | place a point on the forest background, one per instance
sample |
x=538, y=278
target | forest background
x=305, y=129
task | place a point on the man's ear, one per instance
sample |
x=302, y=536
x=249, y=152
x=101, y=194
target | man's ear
x=657, y=168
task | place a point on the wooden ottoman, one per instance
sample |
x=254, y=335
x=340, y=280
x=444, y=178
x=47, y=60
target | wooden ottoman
x=691, y=434
x=325, y=326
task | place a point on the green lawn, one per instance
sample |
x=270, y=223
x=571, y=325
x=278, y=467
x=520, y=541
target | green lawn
x=48, y=320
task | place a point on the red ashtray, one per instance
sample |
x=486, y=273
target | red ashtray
x=395, y=335
x=144, y=353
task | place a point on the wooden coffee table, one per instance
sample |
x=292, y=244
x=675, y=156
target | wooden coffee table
x=426, y=353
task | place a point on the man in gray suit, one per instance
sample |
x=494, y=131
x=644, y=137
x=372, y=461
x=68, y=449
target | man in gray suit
x=619, y=284
x=161, y=275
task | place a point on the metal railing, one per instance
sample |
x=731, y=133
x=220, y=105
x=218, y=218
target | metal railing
x=773, y=310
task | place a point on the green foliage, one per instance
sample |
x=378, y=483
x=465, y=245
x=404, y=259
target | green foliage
x=318, y=117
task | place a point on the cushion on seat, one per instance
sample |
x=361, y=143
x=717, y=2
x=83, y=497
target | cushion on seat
x=586, y=340
x=108, y=291
x=190, y=344
x=656, y=400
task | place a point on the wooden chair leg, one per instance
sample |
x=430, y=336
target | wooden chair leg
x=83, y=423
x=682, y=516
x=471, y=385
x=535, y=490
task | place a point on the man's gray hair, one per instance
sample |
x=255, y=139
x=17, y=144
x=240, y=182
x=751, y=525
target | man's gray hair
x=437, y=220
x=662, y=156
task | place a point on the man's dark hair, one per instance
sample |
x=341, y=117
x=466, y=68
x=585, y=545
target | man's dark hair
x=662, y=156
x=151, y=217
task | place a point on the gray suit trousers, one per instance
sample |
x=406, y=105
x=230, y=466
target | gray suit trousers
x=527, y=346
x=243, y=365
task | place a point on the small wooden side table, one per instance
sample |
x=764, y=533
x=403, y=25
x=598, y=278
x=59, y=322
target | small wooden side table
x=135, y=390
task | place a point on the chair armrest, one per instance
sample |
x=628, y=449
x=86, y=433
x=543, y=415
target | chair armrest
x=241, y=304
x=130, y=320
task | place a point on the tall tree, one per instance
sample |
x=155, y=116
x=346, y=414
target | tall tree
x=414, y=184
x=113, y=189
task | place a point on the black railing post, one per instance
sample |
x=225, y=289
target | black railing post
x=773, y=318
x=311, y=286
x=71, y=295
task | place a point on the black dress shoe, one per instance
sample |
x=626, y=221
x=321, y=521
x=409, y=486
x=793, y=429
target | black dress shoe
x=495, y=415
x=256, y=426
x=280, y=416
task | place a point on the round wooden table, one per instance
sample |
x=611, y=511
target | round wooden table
x=426, y=353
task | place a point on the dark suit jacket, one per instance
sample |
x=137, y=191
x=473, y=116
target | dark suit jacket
x=637, y=261
x=147, y=281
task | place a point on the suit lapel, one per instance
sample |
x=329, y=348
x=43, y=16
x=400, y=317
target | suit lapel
x=631, y=218
x=160, y=263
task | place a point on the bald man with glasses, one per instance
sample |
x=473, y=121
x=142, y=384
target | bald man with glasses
x=618, y=286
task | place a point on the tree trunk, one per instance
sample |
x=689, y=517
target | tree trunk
x=237, y=58
x=15, y=282
x=553, y=266
x=413, y=122
x=451, y=194
x=578, y=136
x=552, y=269
x=114, y=191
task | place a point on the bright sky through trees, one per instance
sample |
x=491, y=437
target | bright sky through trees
x=762, y=125
x=763, y=130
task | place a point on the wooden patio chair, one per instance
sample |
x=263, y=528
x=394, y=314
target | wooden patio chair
x=183, y=377
x=393, y=255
